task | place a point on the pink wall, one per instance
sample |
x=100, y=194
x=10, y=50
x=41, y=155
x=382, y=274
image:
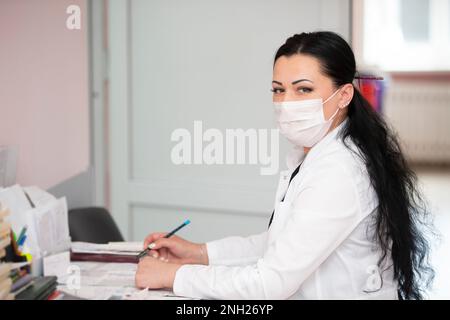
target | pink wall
x=44, y=89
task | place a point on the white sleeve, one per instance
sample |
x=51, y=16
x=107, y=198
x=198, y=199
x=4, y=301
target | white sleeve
x=236, y=250
x=323, y=214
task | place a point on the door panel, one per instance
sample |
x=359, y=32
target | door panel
x=175, y=62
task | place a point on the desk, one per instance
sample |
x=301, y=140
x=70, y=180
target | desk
x=108, y=281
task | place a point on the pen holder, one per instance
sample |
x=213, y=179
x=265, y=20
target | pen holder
x=13, y=254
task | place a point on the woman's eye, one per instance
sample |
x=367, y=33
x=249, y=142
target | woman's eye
x=304, y=90
x=277, y=90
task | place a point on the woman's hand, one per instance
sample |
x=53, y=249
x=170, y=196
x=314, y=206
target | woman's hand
x=176, y=249
x=155, y=274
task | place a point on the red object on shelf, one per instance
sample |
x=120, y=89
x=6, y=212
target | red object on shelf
x=54, y=295
x=373, y=91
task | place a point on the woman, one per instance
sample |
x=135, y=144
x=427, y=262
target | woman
x=348, y=216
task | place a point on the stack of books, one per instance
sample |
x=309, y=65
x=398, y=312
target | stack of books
x=5, y=268
x=21, y=278
x=42, y=288
x=109, y=252
x=24, y=286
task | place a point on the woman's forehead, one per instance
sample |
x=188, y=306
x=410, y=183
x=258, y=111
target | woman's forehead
x=296, y=67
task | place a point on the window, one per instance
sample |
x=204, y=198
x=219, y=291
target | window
x=406, y=35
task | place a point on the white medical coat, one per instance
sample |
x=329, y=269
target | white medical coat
x=320, y=244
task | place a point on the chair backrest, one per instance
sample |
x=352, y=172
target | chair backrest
x=93, y=224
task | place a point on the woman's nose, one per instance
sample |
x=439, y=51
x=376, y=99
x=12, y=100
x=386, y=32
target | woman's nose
x=288, y=96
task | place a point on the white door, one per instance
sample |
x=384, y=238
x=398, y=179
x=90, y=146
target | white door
x=172, y=63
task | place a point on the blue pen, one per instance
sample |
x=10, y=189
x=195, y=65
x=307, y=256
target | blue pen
x=171, y=233
x=20, y=243
x=21, y=235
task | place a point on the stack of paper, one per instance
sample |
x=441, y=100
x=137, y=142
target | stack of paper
x=114, y=248
x=45, y=217
x=112, y=281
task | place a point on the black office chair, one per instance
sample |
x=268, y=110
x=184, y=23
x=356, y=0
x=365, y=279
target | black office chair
x=93, y=224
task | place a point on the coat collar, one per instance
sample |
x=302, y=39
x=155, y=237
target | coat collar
x=296, y=155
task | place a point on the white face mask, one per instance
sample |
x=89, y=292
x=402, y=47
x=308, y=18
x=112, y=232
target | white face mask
x=303, y=122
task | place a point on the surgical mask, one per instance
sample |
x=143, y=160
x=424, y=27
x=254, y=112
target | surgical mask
x=303, y=122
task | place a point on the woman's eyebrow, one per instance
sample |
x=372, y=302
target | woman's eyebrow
x=293, y=82
x=300, y=80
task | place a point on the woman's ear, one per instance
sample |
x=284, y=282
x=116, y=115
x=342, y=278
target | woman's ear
x=346, y=95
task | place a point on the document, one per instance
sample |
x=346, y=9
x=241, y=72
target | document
x=57, y=265
x=45, y=217
x=106, y=274
x=148, y=294
x=38, y=196
x=15, y=200
x=51, y=224
x=91, y=292
x=117, y=248
x=136, y=246
x=112, y=281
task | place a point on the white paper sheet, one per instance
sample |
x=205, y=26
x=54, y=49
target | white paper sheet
x=118, y=248
x=17, y=265
x=107, y=274
x=38, y=196
x=101, y=281
x=136, y=246
x=148, y=294
x=51, y=226
x=91, y=292
x=48, y=223
x=15, y=200
x=57, y=265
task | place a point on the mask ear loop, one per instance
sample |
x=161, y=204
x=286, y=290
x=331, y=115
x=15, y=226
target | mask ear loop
x=357, y=76
x=330, y=97
x=338, y=109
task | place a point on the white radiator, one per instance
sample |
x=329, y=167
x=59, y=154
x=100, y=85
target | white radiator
x=420, y=113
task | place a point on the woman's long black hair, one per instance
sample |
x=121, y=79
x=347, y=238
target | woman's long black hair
x=402, y=219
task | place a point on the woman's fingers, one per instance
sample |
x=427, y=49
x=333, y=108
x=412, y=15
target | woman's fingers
x=168, y=243
x=164, y=254
x=153, y=237
x=150, y=238
x=153, y=253
x=161, y=248
x=161, y=254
